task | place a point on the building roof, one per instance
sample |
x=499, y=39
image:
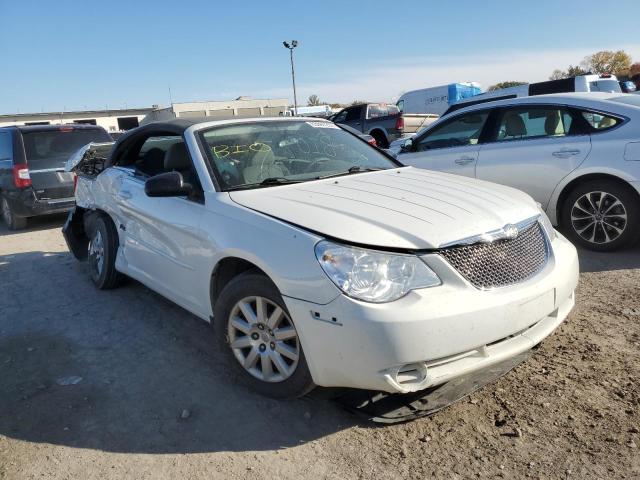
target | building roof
x=110, y=112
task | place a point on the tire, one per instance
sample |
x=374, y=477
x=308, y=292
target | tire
x=10, y=219
x=602, y=215
x=260, y=348
x=381, y=140
x=103, y=247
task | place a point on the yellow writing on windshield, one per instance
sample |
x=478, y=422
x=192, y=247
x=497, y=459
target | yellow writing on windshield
x=223, y=151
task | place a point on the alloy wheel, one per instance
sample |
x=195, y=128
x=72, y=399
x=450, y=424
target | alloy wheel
x=599, y=217
x=263, y=339
x=96, y=252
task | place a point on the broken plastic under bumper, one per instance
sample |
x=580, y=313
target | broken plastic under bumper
x=393, y=408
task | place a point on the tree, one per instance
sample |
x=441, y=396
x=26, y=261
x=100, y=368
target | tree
x=313, y=101
x=607, y=61
x=634, y=69
x=507, y=84
x=569, y=73
x=358, y=102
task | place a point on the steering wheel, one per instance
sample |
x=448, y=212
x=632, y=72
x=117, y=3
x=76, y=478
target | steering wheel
x=311, y=167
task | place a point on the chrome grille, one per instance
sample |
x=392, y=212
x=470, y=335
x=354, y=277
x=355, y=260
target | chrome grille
x=502, y=262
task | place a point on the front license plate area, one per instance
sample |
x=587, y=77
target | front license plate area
x=532, y=310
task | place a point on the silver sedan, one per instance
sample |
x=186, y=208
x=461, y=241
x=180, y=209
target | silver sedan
x=577, y=154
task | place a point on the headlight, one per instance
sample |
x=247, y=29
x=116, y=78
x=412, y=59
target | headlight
x=546, y=223
x=373, y=276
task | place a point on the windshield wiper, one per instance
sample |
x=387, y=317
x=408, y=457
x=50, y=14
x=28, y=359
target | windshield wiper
x=277, y=181
x=351, y=171
x=264, y=183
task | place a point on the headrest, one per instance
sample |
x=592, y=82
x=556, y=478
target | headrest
x=177, y=157
x=552, y=123
x=514, y=126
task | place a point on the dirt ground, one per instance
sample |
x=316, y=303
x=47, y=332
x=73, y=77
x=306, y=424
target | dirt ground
x=134, y=363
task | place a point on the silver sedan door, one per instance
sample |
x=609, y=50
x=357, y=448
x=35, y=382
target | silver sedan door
x=450, y=147
x=534, y=148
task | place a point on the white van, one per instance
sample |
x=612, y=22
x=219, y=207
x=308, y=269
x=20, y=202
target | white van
x=582, y=83
x=436, y=100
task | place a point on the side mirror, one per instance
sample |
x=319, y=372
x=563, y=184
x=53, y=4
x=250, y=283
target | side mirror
x=167, y=184
x=407, y=146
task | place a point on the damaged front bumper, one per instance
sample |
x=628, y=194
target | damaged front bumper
x=74, y=233
x=383, y=407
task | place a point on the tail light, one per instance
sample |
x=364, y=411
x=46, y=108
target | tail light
x=75, y=182
x=373, y=142
x=399, y=123
x=21, y=178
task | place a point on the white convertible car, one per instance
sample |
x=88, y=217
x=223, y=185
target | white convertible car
x=319, y=259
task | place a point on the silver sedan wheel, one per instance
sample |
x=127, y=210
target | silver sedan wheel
x=96, y=253
x=263, y=339
x=599, y=217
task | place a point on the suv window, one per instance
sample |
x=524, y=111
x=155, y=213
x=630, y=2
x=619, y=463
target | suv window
x=340, y=117
x=381, y=110
x=6, y=147
x=534, y=122
x=52, y=148
x=354, y=113
x=600, y=121
x=458, y=132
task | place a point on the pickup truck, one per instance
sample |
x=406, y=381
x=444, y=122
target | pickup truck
x=383, y=122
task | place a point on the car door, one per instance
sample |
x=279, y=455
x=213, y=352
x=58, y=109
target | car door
x=452, y=146
x=163, y=239
x=354, y=117
x=532, y=148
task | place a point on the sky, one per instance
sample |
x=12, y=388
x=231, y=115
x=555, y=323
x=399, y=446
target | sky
x=80, y=54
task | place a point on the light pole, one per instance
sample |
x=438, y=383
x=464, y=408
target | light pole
x=291, y=46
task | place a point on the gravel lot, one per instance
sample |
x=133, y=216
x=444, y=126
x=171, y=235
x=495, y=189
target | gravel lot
x=155, y=400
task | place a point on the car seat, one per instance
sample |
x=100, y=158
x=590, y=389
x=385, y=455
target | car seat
x=514, y=126
x=153, y=161
x=263, y=165
x=552, y=124
x=177, y=159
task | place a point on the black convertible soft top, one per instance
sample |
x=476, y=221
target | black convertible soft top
x=135, y=137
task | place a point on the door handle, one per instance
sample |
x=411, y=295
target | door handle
x=125, y=194
x=565, y=153
x=465, y=160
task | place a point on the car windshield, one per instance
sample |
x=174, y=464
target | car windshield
x=250, y=155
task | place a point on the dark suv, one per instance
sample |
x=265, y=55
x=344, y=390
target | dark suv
x=32, y=177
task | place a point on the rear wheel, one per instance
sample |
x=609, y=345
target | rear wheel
x=10, y=219
x=103, y=248
x=256, y=333
x=602, y=215
x=381, y=140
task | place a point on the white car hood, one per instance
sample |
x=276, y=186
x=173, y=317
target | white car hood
x=405, y=208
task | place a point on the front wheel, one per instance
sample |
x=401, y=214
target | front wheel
x=602, y=215
x=256, y=333
x=103, y=248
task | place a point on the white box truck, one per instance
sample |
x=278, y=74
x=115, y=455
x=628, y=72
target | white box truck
x=436, y=100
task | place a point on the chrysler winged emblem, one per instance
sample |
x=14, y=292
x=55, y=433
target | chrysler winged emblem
x=510, y=231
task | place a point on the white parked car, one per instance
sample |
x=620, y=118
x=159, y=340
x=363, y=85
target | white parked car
x=577, y=154
x=320, y=260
